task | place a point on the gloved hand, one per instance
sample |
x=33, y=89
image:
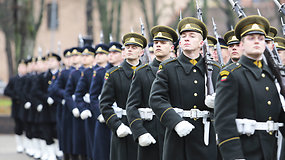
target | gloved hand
x=210, y=100
x=101, y=118
x=85, y=114
x=146, y=139
x=50, y=101
x=75, y=112
x=123, y=131
x=63, y=101
x=73, y=97
x=27, y=105
x=40, y=107
x=183, y=128
x=86, y=98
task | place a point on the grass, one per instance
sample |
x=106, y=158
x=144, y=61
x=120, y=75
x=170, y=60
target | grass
x=5, y=106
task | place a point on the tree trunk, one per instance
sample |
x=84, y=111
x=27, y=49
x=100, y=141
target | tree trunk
x=118, y=29
x=89, y=18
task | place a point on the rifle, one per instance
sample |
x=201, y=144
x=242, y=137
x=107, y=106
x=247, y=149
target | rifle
x=207, y=57
x=110, y=37
x=281, y=7
x=146, y=58
x=101, y=37
x=80, y=41
x=277, y=70
x=238, y=9
x=219, y=50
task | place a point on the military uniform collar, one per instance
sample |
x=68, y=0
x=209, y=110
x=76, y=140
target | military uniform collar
x=187, y=65
x=155, y=62
x=128, y=68
x=248, y=63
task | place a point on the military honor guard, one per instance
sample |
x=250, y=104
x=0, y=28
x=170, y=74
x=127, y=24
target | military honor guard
x=233, y=47
x=280, y=46
x=13, y=90
x=178, y=94
x=248, y=110
x=145, y=126
x=116, y=89
x=102, y=134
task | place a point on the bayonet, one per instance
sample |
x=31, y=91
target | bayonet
x=219, y=50
x=238, y=9
x=281, y=7
x=101, y=37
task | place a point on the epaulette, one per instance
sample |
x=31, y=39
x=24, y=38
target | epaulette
x=111, y=70
x=216, y=64
x=141, y=66
x=168, y=61
x=228, y=69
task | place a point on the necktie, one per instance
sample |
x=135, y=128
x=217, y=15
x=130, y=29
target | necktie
x=134, y=67
x=193, y=61
x=258, y=64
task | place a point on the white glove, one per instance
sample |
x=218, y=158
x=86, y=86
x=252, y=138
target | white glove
x=183, y=128
x=101, y=118
x=39, y=107
x=86, y=98
x=75, y=112
x=85, y=114
x=123, y=131
x=146, y=139
x=73, y=97
x=50, y=101
x=210, y=100
x=63, y=101
x=27, y=105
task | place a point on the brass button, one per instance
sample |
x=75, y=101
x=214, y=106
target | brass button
x=195, y=81
x=195, y=94
x=194, y=70
x=263, y=75
x=269, y=103
x=269, y=118
x=194, y=106
x=237, y=63
x=267, y=88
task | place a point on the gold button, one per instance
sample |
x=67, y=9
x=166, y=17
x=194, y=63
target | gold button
x=267, y=88
x=195, y=94
x=270, y=118
x=194, y=106
x=263, y=75
x=195, y=81
x=237, y=63
x=269, y=103
x=194, y=70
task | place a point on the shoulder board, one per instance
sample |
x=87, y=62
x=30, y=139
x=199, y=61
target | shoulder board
x=168, y=61
x=228, y=69
x=216, y=64
x=114, y=69
x=140, y=67
x=111, y=70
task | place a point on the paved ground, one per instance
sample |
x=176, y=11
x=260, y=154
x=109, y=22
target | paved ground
x=8, y=148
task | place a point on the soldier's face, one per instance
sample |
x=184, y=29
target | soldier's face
x=115, y=57
x=162, y=48
x=235, y=51
x=190, y=41
x=225, y=55
x=133, y=52
x=101, y=58
x=22, y=69
x=88, y=59
x=53, y=63
x=270, y=45
x=282, y=55
x=253, y=45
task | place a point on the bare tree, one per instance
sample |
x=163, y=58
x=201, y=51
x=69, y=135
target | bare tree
x=89, y=18
x=6, y=26
x=26, y=26
x=227, y=9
